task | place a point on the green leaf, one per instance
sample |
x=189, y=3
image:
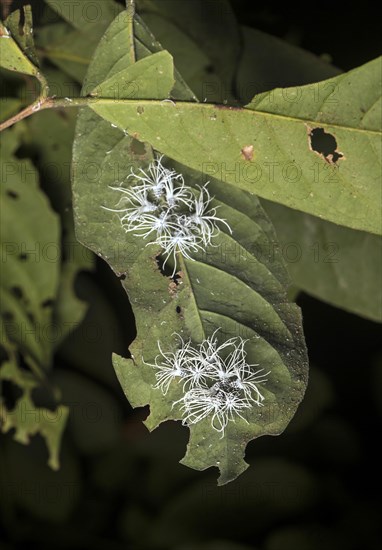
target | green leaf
x=70, y=44
x=146, y=44
x=89, y=347
x=93, y=422
x=98, y=13
x=203, y=38
x=320, y=255
x=30, y=488
x=149, y=77
x=104, y=153
x=9, y=107
x=17, y=48
x=246, y=298
x=52, y=136
x=194, y=63
x=30, y=242
x=267, y=62
x=266, y=147
x=68, y=49
x=30, y=276
x=27, y=419
x=210, y=24
x=231, y=289
x=273, y=492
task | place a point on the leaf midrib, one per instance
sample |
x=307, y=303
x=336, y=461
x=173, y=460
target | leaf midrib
x=221, y=108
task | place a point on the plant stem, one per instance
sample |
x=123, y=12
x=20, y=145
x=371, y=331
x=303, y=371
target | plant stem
x=47, y=103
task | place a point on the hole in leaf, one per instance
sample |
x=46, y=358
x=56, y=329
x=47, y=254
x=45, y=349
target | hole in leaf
x=10, y=394
x=21, y=22
x=12, y=194
x=17, y=292
x=178, y=309
x=4, y=356
x=21, y=362
x=122, y=277
x=7, y=316
x=47, y=303
x=166, y=270
x=31, y=317
x=324, y=144
x=177, y=277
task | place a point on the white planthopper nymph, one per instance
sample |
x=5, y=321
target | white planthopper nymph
x=175, y=217
x=216, y=380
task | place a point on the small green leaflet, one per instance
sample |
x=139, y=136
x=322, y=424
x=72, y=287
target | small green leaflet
x=17, y=49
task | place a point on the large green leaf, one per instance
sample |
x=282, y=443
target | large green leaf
x=101, y=152
x=320, y=255
x=236, y=292
x=266, y=147
x=231, y=289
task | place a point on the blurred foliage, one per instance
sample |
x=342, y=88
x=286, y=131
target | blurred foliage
x=119, y=487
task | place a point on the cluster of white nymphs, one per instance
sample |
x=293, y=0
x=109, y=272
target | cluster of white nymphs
x=163, y=208
x=216, y=380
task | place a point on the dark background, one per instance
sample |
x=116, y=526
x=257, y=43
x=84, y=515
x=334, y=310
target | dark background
x=316, y=487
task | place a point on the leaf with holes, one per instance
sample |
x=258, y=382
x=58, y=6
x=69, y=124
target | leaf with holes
x=53, y=136
x=102, y=153
x=24, y=417
x=30, y=233
x=281, y=145
x=227, y=287
x=16, y=46
x=320, y=255
x=30, y=240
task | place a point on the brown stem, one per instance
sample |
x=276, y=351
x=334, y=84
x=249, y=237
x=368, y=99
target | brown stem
x=34, y=107
x=47, y=103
